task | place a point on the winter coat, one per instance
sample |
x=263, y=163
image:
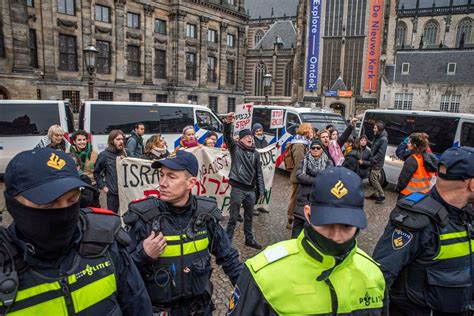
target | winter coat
x=299, y=148
x=305, y=178
x=379, y=148
x=105, y=171
x=352, y=161
x=134, y=145
x=411, y=165
x=260, y=143
x=88, y=163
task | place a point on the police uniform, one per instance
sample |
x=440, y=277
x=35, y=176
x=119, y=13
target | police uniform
x=90, y=274
x=303, y=276
x=426, y=250
x=178, y=281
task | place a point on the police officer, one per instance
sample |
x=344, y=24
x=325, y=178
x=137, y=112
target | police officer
x=173, y=237
x=323, y=271
x=426, y=250
x=57, y=259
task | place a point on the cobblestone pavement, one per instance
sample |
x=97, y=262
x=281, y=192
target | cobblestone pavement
x=271, y=228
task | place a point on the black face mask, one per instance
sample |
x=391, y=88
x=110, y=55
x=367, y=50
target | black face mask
x=328, y=246
x=49, y=231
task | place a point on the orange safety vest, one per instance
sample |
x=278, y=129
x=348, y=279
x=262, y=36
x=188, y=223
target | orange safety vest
x=420, y=181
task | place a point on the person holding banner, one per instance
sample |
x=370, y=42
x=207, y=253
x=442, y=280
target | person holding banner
x=173, y=237
x=246, y=179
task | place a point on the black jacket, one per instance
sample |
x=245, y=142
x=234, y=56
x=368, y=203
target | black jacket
x=260, y=143
x=305, y=178
x=411, y=165
x=105, y=170
x=246, y=168
x=134, y=145
x=351, y=161
x=379, y=148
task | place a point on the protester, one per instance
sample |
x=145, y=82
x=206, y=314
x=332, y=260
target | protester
x=87, y=155
x=59, y=259
x=334, y=148
x=324, y=136
x=105, y=171
x=296, y=150
x=322, y=272
x=259, y=137
x=346, y=149
x=418, y=168
x=359, y=159
x=188, y=139
x=55, y=139
x=88, y=194
x=425, y=251
x=314, y=162
x=209, y=142
x=402, y=151
x=134, y=144
x=246, y=179
x=379, y=148
x=155, y=148
x=173, y=237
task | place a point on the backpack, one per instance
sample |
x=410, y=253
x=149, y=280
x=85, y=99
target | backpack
x=288, y=159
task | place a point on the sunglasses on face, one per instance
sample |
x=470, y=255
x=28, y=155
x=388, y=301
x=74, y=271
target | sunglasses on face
x=316, y=148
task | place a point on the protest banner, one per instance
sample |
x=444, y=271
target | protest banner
x=137, y=179
x=243, y=117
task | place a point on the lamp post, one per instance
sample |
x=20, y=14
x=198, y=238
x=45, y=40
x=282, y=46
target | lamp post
x=90, y=58
x=267, y=83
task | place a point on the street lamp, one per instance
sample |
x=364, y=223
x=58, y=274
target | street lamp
x=267, y=83
x=90, y=57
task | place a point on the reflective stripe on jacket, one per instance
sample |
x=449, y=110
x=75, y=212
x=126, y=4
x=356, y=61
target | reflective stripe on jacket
x=420, y=181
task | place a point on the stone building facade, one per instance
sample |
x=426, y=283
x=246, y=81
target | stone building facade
x=165, y=50
x=430, y=56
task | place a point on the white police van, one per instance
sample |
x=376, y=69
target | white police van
x=444, y=129
x=98, y=118
x=293, y=117
x=24, y=122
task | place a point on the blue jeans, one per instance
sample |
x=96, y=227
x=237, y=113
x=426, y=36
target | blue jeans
x=247, y=200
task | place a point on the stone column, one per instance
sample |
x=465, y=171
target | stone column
x=149, y=44
x=240, y=60
x=222, y=62
x=178, y=44
x=202, y=50
x=120, y=49
x=20, y=32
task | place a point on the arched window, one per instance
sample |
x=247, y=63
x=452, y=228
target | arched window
x=288, y=78
x=258, y=36
x=260, y=71
x=464, y=32
x=430, y=33
x=400, y=34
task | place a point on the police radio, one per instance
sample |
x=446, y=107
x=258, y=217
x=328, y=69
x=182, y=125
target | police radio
x=8, y=275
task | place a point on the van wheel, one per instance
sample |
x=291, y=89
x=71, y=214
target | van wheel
x=383, y=179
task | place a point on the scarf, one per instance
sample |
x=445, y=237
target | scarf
x=159, y=152
x=245, y=147
x=312, y=164
x=187, y=144
x=83, y=155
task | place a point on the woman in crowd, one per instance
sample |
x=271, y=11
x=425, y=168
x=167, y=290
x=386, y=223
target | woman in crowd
x=155, y=148
x=359, y=159
x=87, y=156
x=188, y=139
x=297, y=149
x=55, y=139
x=419, y=167
x=334, y=147
x=313, y=163
x=209, y=142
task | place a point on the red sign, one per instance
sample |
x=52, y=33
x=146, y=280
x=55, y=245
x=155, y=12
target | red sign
x=373, y=45
x=344, y=93
x=277, y=119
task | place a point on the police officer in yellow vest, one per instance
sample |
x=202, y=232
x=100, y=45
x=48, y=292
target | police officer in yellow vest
x=322, y=272
x=173, y=237
x=427, y=248
x=57, y=259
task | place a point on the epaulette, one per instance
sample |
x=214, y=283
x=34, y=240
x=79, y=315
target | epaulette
x=416, y=211
x=273, y=254
x=145, y=209
x=100, y=228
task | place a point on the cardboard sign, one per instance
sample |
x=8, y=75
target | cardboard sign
x=137, y=179
x=243, y=117
x=277, y=119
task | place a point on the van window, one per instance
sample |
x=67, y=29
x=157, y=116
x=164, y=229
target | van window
x=27, y=119
x=107, y=117
x=467, y=134
x=69, y=118
x=207, y=121
x=292, y=123
x=441, y=130
x=321, y=120
x=174, y=119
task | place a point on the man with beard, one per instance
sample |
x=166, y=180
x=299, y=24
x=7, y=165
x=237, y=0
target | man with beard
x=105, y=171
x=246, y=179
x=173, y=237
x=56, y=258
x=322, y=272
x=134, y=145
x=426, y=249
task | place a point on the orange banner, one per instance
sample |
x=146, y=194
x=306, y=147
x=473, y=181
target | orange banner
x=373, y=45
x=344, y=93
